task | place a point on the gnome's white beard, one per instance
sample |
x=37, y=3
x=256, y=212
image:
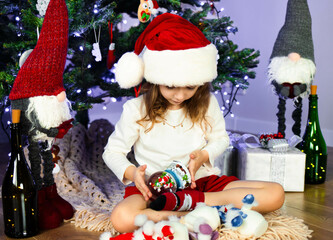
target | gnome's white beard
x=50, y=113
x=284, y=70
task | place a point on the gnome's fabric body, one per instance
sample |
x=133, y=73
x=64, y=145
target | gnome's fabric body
x=292, y=65
x=45, y=114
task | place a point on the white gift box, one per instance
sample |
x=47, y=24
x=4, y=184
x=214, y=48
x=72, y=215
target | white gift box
x=286, y=168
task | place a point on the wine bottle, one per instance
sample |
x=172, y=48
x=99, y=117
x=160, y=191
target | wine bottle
x=19, y=191
x=313, y=144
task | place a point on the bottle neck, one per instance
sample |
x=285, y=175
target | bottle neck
x=313, y=107
x=16, y=140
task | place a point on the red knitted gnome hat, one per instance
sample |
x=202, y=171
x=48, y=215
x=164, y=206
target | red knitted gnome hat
x=42, y=72
x=174, y=53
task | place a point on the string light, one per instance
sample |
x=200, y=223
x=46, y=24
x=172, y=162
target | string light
x=6, y=109
x=124, y=21
x=246, y=77
x=232, y=115
x=76, y=34
x=17, y=18
x=95, y=10
x=237, y=103
x=113, y=99
x=222, y=9
x=227, y=101
x=81, y=48
x=78, y=91
x=89, y=92
x=225, y=93
x=104, y=107
x=89, y=66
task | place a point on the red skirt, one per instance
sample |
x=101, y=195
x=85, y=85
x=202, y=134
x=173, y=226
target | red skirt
x=211, y=183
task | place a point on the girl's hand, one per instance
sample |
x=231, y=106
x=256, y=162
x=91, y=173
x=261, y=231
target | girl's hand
x=197, y=158
x=139, y=181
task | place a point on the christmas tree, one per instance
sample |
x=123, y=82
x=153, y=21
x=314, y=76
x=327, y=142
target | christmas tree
x=97, y=22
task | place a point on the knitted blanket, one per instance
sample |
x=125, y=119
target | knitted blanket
x=87, y=183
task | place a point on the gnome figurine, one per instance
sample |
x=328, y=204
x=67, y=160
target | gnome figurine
x=292, y=65
x=45, y=112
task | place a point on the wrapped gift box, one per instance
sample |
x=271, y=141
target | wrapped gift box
x=286, y=168
x=227, y=161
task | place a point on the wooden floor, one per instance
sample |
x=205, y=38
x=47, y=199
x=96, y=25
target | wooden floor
x=314, y=206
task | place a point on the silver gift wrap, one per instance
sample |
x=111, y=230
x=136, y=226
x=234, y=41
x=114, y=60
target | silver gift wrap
x=227, y=161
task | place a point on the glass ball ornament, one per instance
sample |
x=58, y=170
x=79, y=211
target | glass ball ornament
x=175, y=177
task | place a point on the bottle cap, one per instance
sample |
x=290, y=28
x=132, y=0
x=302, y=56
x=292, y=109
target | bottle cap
x=16, y=114
x=313, y=89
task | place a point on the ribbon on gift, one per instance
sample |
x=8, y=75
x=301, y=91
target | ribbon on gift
x=278, y=147
x=274, y=145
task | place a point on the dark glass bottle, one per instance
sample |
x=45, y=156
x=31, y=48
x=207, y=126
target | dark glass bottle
x=313, y=144
x=19, y=191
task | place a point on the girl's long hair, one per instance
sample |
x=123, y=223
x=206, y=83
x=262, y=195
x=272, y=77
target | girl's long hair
x=156, y=105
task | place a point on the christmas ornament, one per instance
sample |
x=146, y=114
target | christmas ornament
x=42, y=6
x=146, y=9
x=172, y=179
x=111, y=57
x=96, y=52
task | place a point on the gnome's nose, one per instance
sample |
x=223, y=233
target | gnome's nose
x=61, y=96
x=294, y=56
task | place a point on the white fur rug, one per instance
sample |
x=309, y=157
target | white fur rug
x=87, y=183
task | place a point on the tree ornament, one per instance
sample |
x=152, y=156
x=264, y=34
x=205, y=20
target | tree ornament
x=96, y=52
x=111, y=57
x=146, y=9
x=42, y=6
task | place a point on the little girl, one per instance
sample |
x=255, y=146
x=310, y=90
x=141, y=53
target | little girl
x=176, y=118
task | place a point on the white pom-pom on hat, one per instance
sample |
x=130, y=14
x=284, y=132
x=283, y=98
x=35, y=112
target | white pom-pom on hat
x=154, y=11
x=129, y=70
x=105, y=236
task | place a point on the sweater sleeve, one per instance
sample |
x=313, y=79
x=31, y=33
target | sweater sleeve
x=122, y=139
x=216, y=136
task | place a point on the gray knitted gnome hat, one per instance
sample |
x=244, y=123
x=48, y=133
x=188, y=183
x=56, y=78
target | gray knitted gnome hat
x=296, y=33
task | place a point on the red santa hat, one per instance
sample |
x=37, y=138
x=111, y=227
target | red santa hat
x=171, y=51
x=42, y=72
